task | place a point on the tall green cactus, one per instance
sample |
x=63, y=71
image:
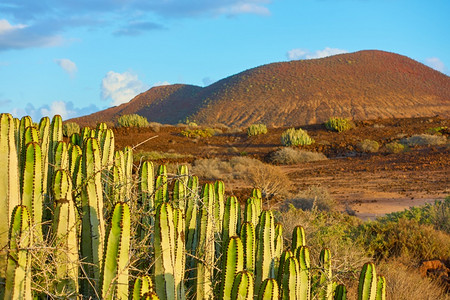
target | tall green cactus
x=265, y=248
x=161, y=189
x=269, y=290
x=179, y=258
x=243, y=286
x=251, y=211
x=128, y=154
x=44, y=136
x=303, y=257
x=298, y=237
x=9, y=181
x=367, y=288
x=232, y=263
x=290, y=286
x=25, y=122
x=32, y=185
x=381, y=288
x=146, y=188
x=106, y=140
x=205, y=247
x=231, y=219
x=284, y=256
x=248, y=238
x=18, y=270
x=256, y=193
x=93, y=224
x=114, y=280
x=325, y=280
x=219, y=205
x=191, y=233
x=65, y=237
x=164, y=252
x=340, y=292
x=279, y=245
x=181, y=187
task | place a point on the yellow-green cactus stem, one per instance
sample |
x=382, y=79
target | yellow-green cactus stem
x=303, y=257
x=269, y=290
x=232, y=263
x=243, y=286
x=325, y=280
x=142, y=285
x=179, y=258
x=290, y=286
x=231, y=219
x=340, y=292
x=367, y=288
x=256, y=193
x=298, y=237
x=381, y=288
x=251, y=212
x=248, y=238
x=284, y=256
x=265, y=248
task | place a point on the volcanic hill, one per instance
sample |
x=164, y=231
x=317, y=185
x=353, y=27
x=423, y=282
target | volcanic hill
x=363, y=85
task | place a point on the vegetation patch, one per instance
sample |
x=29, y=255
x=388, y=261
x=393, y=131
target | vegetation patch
x=198, y=133
x=290, y=156
x=158, y=155
x=424, y=140
x=256, y=129
x=395, y=147
x=338, y=124
x=70, y=128
x=296, y=137
x=132, y=120
x=368, y=146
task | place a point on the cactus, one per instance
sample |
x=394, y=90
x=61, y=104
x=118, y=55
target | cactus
x=75, y=139
x=249, y=241
x=145, y=190
x=18, y=270
x=114, y=280
x=179, y=193
x=32, y=185
x=179, y=253
x=161, y=188
x=9, y=183
x=381, y=288
x=367, y=287
x=325, y=280
x=340, y=293
x=242, y=286
x=284, y=256
x=256, y=194
x=269, y=290
x=164, y=252
x=278, y=240
x=205, y=247
x=232, y=263
x=298, y=237
x=65, y=236
x=219, y=205
x=128, y=154
x=265, y=248
x=106, y=140
x=302, y=255
x=290, y=286
x=142, y=285
x=251, y=211
x=191, y=234
x=231, y=218
x=93, y=225
x=25, y=122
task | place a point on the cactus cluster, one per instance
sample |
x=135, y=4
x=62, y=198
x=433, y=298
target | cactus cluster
x=110, y=228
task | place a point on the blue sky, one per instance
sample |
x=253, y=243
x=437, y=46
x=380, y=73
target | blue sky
x=74, y=57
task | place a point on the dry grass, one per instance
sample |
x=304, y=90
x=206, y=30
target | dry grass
x=290, y=156
x=314, y=198
x=368, y=146
x=424, y=140
x=270, y=179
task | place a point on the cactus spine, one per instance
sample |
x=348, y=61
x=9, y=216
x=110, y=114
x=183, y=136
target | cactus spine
x=9, y=183
x=242, y=286
x=18, y=270
x=66, y=237
x=232, y=263
x=367, y=287
x=269, y=290
x=164, y=252
x=114, y=280
x=93, y=225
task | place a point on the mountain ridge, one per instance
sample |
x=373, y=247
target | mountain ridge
x=367, y=84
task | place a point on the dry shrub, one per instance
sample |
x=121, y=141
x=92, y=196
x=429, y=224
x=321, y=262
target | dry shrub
x=314, y=198
x=368, y=146
x=270, y=179
x=405, y=283
x=155, y=126
x=394, y=147
x=290, y=156
x=424, y=140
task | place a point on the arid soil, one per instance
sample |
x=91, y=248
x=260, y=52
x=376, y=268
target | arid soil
x=368, y=184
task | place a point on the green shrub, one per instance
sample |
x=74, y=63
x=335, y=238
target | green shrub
x=437, y=130
x=132, y=120
x=424, y=140
x=395, y=147
x=368, y=146
x=338, y=124
x=296, y=137
x=256, y=129
x=70, y=128
x=198, y=133
x=289, y=156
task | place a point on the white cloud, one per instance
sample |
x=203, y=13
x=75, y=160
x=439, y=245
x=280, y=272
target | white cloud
x=161, y=83
x=121, y=87
x=67, y=110
x=5, y=26
x=67, y=65
x=299, y=53
x=435, y=63
x=246, y=8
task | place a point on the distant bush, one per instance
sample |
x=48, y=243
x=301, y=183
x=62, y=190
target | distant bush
x=256, y=129
x=424, y=140
x=132, y=120
x=338, y=124
x=296, y=137
x=314, y=198
x=394, y=147
x=289, y=156
x=70, y=128
x=437, y=130
x=368, y=146
x=198, y=133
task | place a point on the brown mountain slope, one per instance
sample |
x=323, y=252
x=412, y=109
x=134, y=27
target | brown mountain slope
x=362, y=85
